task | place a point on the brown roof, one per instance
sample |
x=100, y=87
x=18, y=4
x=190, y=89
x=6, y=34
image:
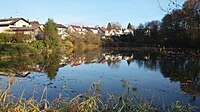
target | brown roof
x=35, y=23
x=61, y=26
x=13, y=20
x=23, y=28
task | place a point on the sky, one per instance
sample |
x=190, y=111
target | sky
x=86, y=12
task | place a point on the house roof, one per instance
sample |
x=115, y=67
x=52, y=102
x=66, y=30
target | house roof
x=35, y=23
x=23, y=28
x=10, y=21
x=60, y=26
x=74, y=26
x=90, y=28
x=102, y=29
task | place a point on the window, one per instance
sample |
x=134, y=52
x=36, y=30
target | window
x=24, y=25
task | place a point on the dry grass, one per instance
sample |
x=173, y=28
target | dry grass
x=91, y=101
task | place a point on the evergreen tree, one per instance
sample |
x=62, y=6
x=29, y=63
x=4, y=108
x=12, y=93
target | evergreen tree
x=51, y=37
x=109, y=27
x=130, y=26
x=141, y=26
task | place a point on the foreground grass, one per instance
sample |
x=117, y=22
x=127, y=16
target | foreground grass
x=90, y=101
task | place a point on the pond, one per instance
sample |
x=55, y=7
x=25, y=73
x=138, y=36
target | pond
x=150, y=75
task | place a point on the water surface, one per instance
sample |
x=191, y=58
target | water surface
x=146, y=73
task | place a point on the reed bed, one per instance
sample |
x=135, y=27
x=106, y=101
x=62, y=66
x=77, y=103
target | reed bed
x=90, y=101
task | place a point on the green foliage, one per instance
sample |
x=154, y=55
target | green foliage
x=179, y=107
x=51, y=62
x=18, y=37
x=87, y=40
x=5, y=37
x=180, y=28
x=39, y=44
x=51, y=37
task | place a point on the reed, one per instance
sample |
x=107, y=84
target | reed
x=90, y=101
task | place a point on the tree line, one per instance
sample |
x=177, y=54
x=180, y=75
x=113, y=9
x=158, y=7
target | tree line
x=179, y=28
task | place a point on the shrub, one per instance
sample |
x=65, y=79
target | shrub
x=19, y=37
x=39, y=44
x=5, y=37
x=69, y=44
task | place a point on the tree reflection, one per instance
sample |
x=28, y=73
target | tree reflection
x=51, y=64
x=184, y=70
x=178, y=68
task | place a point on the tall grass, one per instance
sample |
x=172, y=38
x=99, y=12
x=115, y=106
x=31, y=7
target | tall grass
x=90, y=101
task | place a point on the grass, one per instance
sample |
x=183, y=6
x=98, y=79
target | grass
x=90, y=101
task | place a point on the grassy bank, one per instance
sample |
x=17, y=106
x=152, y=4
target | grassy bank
x=90, y=101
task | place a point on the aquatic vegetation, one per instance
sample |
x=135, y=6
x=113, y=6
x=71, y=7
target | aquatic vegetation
x=89, y=101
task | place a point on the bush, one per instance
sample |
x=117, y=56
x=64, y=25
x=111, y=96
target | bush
x=39, y=44
x=19, y=37
x=91, y=38
x=81, y=41
x=69, y=44
x=5, y=37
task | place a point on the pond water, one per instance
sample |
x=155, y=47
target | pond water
x=148, y=74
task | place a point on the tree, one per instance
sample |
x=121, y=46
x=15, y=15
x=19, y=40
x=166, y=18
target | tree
x=116, y=25
x=141, y=26
x=51, y=37
x=130, y=26
x=109, y=27
x=181, y=26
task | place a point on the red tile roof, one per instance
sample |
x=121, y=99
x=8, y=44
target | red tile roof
x=102, y=28
x=74, y=26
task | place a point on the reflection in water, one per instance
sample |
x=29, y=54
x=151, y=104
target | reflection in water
x=183, y=69
x=51, y=64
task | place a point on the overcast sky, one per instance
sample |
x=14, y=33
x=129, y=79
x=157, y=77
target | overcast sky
x=85, y=12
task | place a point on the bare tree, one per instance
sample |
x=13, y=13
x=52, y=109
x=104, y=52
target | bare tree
x=172, y=5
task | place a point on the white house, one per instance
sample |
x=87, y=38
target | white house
x=114, y=32
x=7, y=23
x=91, y=29
x=13, y=25
x=128, y=31
x=74, y=28
x=62, y=31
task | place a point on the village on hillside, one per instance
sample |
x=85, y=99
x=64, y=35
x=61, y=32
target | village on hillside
x=35, y=29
